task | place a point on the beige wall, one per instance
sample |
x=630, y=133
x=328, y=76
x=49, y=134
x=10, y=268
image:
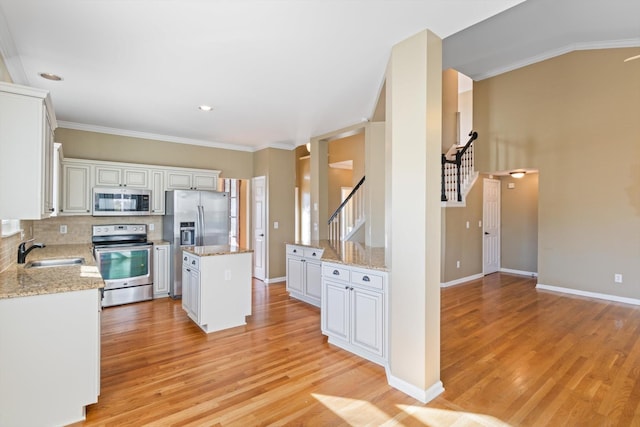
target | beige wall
x=519, y=223
x=449, y=108
x=414, y=130
x=278, y=168
x=99, y=146
x=573, y=117
x=459, y=242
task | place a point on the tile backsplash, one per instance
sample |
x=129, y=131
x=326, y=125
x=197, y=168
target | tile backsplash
x=47, y=231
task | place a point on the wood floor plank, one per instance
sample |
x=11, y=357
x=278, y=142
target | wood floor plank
x=510, y=355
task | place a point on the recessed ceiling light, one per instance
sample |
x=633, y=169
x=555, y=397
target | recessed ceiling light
x=205, y=108
x=50, y=76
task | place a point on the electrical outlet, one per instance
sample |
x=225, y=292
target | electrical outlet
x=467, y=224
x=457, y=264
x=152, y=227
x=479, y=223
x=617, y=278
x=63, y=229
x=275, y=225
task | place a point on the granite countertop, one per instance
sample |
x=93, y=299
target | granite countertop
x=213, y=250
x=349, y=253
x=18, y=281
x=160, y=242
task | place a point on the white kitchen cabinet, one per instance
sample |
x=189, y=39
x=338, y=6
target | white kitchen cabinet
x=304, y=278
x=113, y=176
x=354, y=312
x=216, y=289
x=76, y=188
x=157, y=192
x=191, y=286
x=49, y=358
x=27, y=122
x=184, y=179
x=161, y=278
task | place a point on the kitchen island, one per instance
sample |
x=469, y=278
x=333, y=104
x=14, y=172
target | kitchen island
x=49, y=339
x=216, y=286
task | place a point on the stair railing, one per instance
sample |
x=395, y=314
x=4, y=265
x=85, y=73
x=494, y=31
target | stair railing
x=347, y=215
x=463, y=163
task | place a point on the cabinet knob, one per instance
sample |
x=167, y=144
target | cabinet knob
x=336, y=273
x=313, y=254
x=346, y=288
x=366, y=279
x=295, y=251
x=184, y=259
x=193, y=262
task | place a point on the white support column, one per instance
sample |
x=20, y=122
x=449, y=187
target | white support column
x=414, y=118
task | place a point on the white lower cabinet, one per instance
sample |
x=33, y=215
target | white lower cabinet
x=354, y=312
x=304, y=273
x=49, y=358
x=191, y=286
x=161, y=270
x=216, y=289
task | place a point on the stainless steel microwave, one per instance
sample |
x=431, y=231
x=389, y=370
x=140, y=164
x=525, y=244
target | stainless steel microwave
x=119, y=201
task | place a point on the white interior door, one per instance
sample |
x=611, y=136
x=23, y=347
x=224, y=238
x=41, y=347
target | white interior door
x=491, y=226
x=259, y=227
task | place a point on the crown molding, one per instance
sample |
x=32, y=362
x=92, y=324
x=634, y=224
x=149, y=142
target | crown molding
x=153, y=136
x=612, y=44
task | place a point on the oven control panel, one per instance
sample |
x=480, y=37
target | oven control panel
x=119, y=230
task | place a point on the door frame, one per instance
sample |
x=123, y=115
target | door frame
x=260, y=255
x=487, y=182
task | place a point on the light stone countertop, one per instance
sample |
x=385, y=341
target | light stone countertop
x=349, y=253
x=213, y=250
x=18, y=281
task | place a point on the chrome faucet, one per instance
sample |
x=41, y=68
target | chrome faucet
x=22, y=252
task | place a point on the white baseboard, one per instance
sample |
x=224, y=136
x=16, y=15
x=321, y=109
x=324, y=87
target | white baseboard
x=519, y=272
x=597, y=295
x=275, y=280
x=461, y=280
x=423, y=396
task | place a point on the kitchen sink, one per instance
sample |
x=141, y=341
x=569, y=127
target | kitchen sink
x=54, y=262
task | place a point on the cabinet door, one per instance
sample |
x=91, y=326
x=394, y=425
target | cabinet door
x=47, y=177
x=202, y=181
x=194, y=295
x=367, y=320
x=76, y=189
x=161, y=271
x=108, y=176
x=157, y=192
x=295, y=274
x=177, y=180
x=138, y=178
x=186, y=289
x=313, y=279
x=335, y=310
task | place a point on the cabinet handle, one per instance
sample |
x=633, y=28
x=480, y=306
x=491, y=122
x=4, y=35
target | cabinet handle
x=188, y=270
x=346, y=288
x=366, y=279
x=351, y=288
x=336, y=273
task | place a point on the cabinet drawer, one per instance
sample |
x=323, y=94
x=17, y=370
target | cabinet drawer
x=366, y=279
x=335, y=272
x=313, y=253
x=295, y=250
x=191, y=261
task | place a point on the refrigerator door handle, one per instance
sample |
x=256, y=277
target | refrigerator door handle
x=200, y=227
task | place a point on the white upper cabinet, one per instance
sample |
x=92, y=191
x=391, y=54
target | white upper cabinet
x=183, y=179
x=110, y=176
x=27, y=122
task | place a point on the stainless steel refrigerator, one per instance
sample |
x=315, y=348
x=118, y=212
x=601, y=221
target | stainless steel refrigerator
x=193, y=218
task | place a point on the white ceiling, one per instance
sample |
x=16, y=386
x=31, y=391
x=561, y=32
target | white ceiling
x=277, y=72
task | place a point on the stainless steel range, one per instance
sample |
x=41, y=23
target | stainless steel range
x=124, y=258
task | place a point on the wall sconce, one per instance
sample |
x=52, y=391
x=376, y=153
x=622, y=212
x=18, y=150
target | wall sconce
x=517, y=174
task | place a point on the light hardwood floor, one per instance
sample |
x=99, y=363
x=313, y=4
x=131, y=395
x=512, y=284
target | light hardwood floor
x=511, y=355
